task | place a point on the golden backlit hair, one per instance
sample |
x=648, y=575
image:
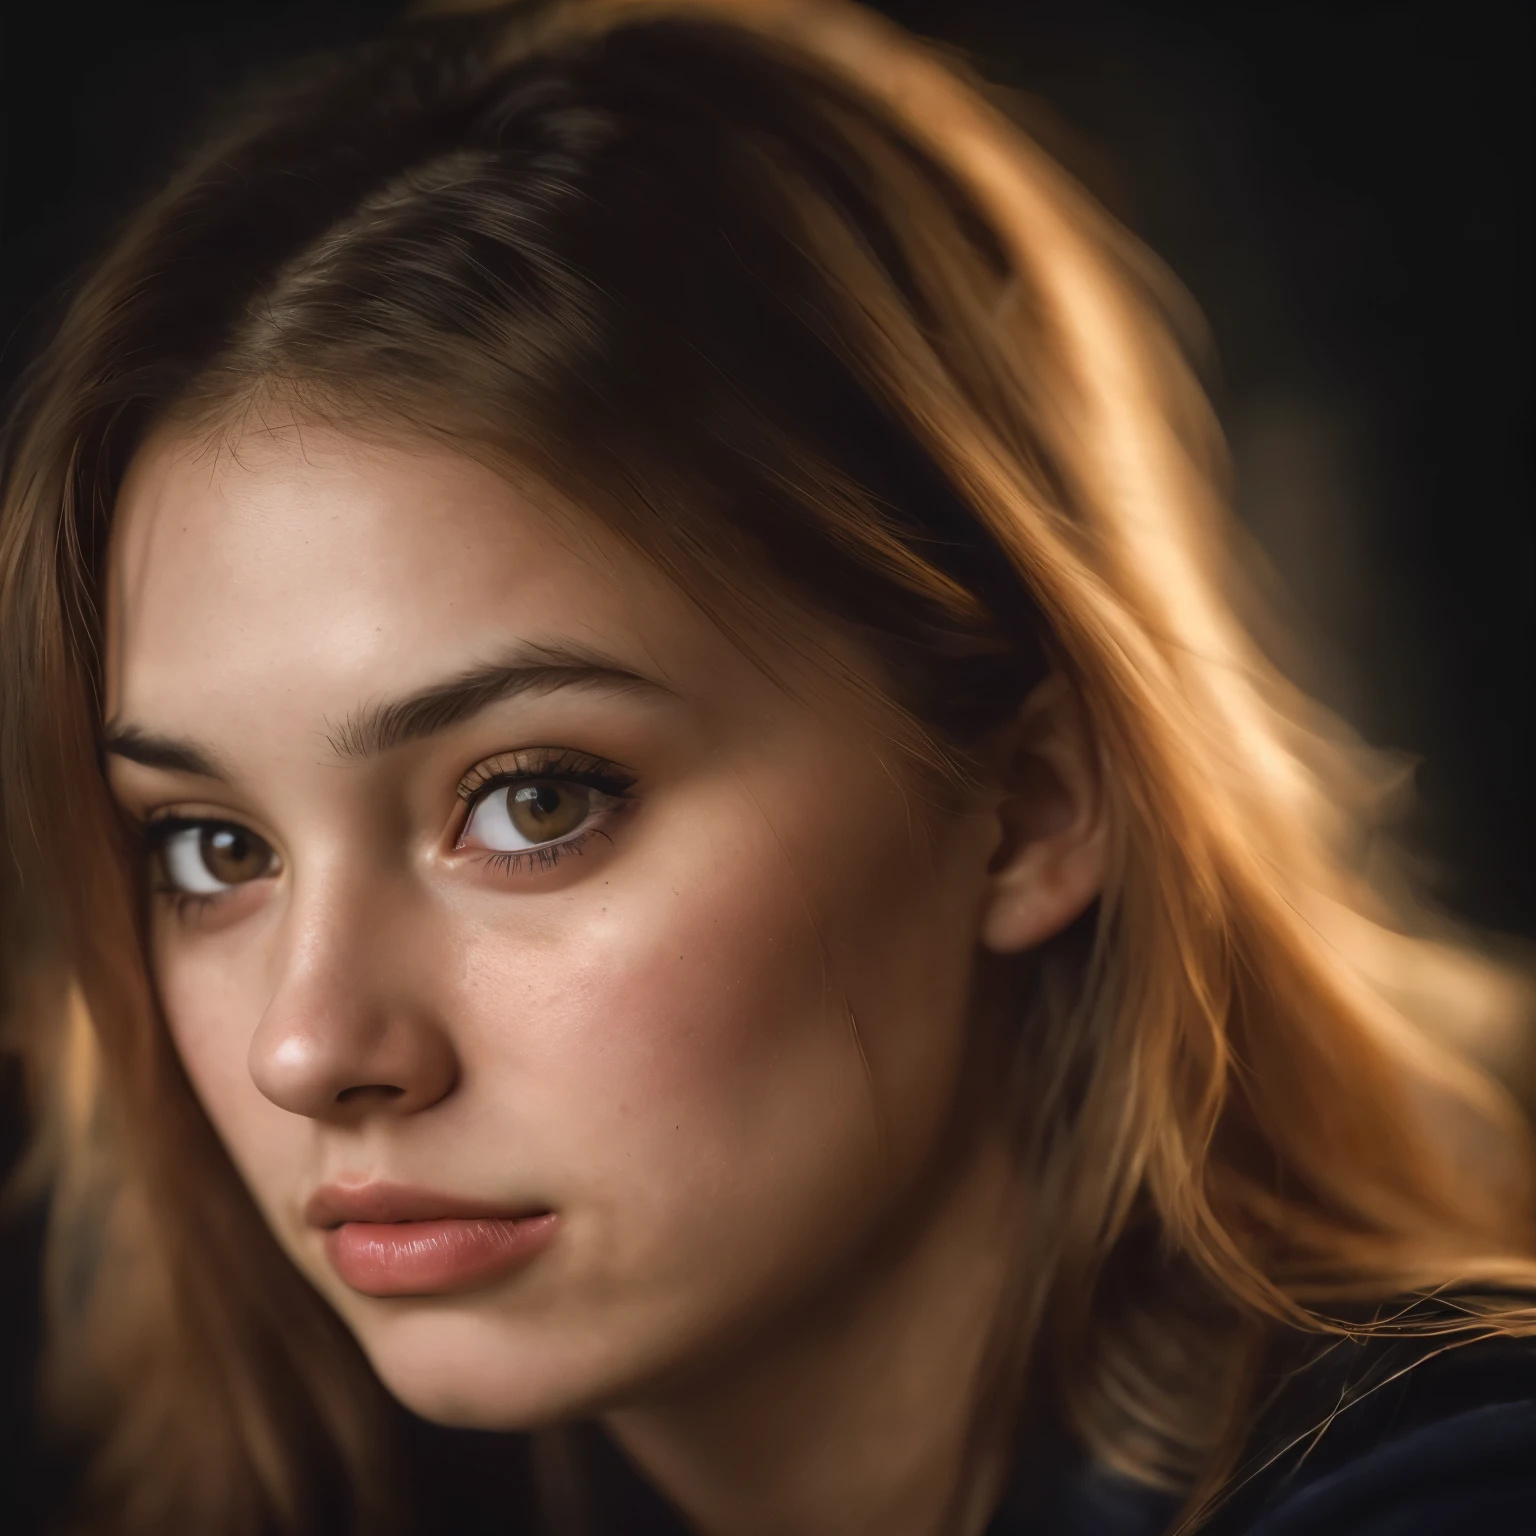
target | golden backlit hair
x=940, y=396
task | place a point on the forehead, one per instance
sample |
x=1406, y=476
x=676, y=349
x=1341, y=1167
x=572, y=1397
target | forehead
x=321, y=558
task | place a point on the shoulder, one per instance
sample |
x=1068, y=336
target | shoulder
x=1417, y=1436
x=1475, y=1471
x=1412, y=1437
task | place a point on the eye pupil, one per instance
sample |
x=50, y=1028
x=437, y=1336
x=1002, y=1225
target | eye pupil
x=540, y=799
x=231, y=855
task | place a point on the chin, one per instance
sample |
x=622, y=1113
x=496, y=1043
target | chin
x=461, y=1368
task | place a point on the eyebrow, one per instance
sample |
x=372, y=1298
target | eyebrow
x=376, y=728
x=533, y=669
x=155, y=751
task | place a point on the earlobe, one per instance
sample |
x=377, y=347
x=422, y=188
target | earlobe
x=1048, y=865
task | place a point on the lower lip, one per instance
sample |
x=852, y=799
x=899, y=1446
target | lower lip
x=429, y=1258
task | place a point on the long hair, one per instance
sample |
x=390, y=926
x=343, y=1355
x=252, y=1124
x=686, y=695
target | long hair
x=787, y=299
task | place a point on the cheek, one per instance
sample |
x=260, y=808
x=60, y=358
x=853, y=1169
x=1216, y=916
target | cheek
x=741, y=1054
x=213, y=993
x=668, y=1036
x=205, y=998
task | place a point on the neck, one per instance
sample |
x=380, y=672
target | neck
x=856, y=1418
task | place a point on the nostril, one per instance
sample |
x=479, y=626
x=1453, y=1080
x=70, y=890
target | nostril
x=365, y=1091
x=349, y=1065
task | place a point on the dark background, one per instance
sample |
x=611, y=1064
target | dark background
x=1343, y=187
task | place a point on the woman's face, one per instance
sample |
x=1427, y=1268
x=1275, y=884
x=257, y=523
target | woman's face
x=573, y=998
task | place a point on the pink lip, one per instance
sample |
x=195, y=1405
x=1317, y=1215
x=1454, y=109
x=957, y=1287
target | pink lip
x=391, y=1240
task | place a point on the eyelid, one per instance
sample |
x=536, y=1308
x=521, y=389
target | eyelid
x=159, y=826
x=563, y=763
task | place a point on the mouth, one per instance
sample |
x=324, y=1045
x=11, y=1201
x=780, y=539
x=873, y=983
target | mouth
x=393, y=1240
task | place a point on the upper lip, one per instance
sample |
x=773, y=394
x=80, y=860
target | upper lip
x=333, y=1204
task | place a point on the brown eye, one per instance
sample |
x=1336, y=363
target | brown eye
x=515, y=816
x=233, y=855
x=205, y=858
x=542, y=812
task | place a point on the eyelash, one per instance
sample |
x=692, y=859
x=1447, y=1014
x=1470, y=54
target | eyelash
x=509, y=861
x=535, y=764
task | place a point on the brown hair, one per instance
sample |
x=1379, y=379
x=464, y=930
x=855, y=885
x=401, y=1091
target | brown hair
x=770, y=287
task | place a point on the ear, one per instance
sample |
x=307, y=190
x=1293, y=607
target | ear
x=1049, y=861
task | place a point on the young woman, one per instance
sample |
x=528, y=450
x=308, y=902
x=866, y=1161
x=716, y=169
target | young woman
x=639, y=812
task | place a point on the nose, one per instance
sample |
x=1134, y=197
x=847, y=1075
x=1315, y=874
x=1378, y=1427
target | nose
x=351, y=1030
